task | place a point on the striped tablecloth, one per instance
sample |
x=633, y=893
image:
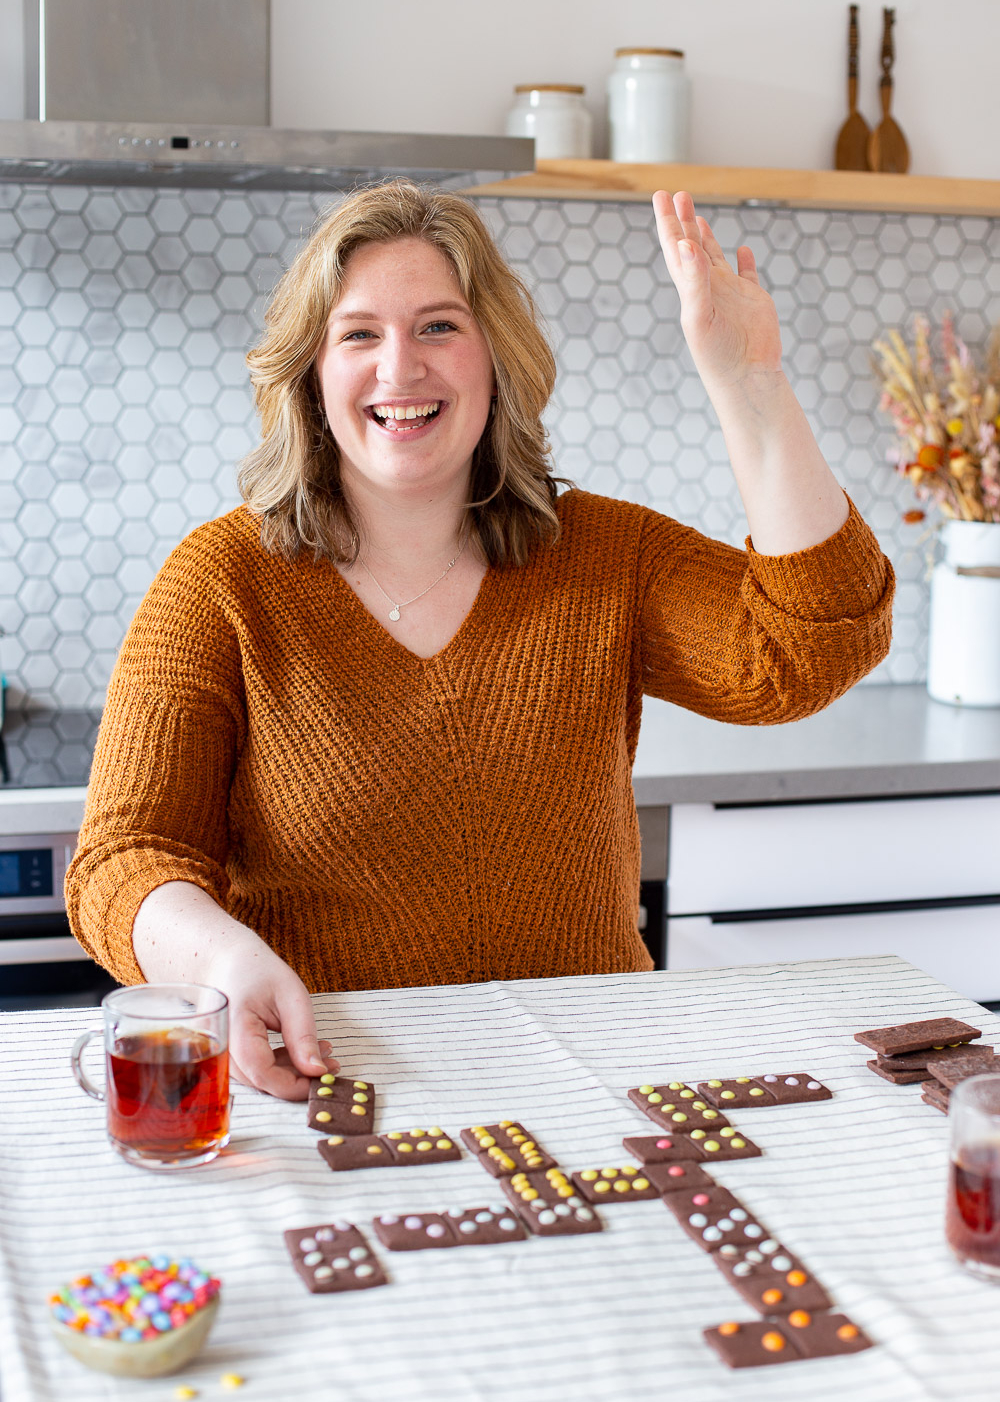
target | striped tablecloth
x=853, y=1186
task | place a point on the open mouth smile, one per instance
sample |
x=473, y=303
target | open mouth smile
x=404, y=418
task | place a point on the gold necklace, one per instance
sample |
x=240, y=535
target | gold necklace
x=404, y=604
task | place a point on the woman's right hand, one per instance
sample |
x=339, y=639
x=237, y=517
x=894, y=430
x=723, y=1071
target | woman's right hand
x=265, y=995
x=181, y=935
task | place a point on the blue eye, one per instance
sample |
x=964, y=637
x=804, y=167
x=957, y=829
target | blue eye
x=441, y=326
x=352, y=334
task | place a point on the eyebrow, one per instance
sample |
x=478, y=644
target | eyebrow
x=351, y=315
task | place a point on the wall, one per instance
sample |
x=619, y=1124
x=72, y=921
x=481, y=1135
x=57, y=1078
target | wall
x=768, y=77
x=125, y=316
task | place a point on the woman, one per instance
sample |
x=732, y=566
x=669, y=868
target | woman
x=376, y=726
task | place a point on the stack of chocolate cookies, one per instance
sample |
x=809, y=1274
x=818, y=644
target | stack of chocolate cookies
x=936, y=1053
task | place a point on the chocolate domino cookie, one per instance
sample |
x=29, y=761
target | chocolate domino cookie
x=673, y=1177
x=936, y=1032
x=951, y=1071
x=549, y=1204
x=473, y=1226
x=607, y=1185
x=713, y=1217
x=396, y=1149
x=800, y=1335
x=912, y=1061
x=341, y=1105
x=506, y=1148
x=725, y=1143
x=897, y=1076
x=677, y=1107
x=771, y=1289
x=663, y=1148
x=742, y=1092
x=333, y=1256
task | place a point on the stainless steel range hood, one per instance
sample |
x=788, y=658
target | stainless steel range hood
x=176, y=93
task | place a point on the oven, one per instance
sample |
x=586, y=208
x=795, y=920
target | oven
x=44, y=763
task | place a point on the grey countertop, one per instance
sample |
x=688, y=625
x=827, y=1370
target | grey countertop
x=876, y=740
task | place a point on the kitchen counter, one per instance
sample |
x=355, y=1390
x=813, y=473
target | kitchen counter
x=877, y=741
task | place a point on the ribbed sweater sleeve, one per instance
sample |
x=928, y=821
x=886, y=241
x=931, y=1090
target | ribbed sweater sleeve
x=171, y=730
x=758, y=639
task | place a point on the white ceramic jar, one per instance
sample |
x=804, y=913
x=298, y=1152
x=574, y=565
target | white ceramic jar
x=556, y=116
x=648, y=106
x=963, y=643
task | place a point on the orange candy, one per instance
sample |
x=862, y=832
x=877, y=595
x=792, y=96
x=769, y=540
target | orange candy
x=730, y=1328
x=848, y=1331
x=800, y=1319
x=796, y=1277
x=774, y=1343
x=771, y=1297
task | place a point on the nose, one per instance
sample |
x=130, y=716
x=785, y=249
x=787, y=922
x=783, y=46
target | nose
x=401, y=361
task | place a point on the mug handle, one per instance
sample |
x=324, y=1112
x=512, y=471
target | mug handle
x=82, y=1079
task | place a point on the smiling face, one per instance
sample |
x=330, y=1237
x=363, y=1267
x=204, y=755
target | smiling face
x=405, y=374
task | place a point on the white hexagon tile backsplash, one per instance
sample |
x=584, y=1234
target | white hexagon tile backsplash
x=125, y=316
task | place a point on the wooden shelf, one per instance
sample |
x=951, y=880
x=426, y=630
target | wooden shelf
x=733, y=185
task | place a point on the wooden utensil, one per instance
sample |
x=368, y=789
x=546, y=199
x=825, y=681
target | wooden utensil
x=887, y=148
x=851, y=151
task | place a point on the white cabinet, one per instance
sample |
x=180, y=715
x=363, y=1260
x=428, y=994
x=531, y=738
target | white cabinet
x=773, y=882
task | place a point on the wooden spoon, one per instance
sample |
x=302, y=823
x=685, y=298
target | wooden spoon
x=852, y=140
x=887, y=148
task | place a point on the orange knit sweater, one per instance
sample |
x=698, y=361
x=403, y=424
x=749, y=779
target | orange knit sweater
x=383, y=820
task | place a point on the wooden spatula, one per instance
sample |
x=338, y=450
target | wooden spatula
x=851, y=152
x=887, y=148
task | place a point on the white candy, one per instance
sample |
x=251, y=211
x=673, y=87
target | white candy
x=390, y=1219
x=742, y=1269
x=782, y=1263
x=711, y=1234
x=698, y=1219
x=768, y=1246
x=312, y=1258
x=341, y=1263
x=467, y=1227
x=413, y=1224
x=435, y=1229
x=546, y=1217
x=322, y=1273
x=739, y=1214
x=813, y=1085
x=584, y=1214
x=484, y=1216
x=752, y=1230
x=358, y=1253
x=507, y=1224
x=362, y=1271
x=307, y=1244
x=324, y=1234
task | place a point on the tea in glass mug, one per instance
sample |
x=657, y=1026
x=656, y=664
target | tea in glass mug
x=972, y=1216
x=166, y=1054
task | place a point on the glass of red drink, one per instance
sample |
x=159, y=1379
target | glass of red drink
x=166, y=1055
x=972, y=1219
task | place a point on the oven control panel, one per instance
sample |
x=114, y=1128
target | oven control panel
x=32, y=869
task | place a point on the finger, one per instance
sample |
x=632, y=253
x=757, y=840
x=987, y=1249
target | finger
x=677, y=249
x=711, y=244
x=298, y=1029
x=273, y=1074
x=746, y=264
x=684, y=208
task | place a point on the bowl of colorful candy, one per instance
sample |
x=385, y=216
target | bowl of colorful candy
x=136, y=1318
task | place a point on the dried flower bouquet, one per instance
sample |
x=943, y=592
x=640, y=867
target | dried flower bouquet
x=946, y=420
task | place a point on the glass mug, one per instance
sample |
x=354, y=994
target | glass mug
x=166, y=1054
x=972, y=1219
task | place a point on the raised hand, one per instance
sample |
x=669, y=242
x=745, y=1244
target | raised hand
x=729, y=321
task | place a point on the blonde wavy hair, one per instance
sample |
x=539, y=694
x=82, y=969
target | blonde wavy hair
x=292, y=480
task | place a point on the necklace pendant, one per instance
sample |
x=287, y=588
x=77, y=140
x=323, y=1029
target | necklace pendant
x=394, y=613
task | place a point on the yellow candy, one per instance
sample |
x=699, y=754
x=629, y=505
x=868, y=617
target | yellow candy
x=327, y=1080
x=323, y=1116
x=602, y=1187
x=742, y=1080
x=564, y=1190
x=357, y=1109
x=529, y=1194
x=641, y=1184
x=622, y=1186
x=609, y=1173
x=588, y=1175
x=699, y=1133
x=360, y=1085
x=679, y=1118
x=435, y=1130
x=417, y=1133
x=424, y=1145
x=324, y=1090
x=711, y=1146
x=479, y=1129
x=444, y=1144
x=506, y=1124
x=687, y=1094
x=726, y=1133
x=372, y=1148
x=629, y=1171
x=756, y=1091
x=359, y=1098
x=231, y=1380
x=405, y=1148
x=337, y=1139
x=655, y=1098
x=728, y=1095
x=739, y=1143
x=486, y=1141
x=184, y=1393
x=645, y=1090
x=394, y=1134
x=715, y=1084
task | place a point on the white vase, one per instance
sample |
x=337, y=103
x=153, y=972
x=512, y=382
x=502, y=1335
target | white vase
x=963, y=652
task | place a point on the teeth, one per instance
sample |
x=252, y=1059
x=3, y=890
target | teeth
x=410, y=411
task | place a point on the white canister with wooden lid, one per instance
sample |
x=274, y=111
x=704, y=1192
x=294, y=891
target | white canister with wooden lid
x=648, y=106
x=556, y=116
